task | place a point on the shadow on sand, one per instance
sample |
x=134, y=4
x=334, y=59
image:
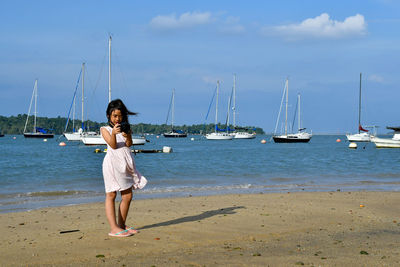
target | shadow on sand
x=201, y=216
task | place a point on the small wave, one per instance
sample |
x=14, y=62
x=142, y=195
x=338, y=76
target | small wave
x=158, y=190
x=378, y=183
x=281, y=179
x=45, y=194
x=55, y=193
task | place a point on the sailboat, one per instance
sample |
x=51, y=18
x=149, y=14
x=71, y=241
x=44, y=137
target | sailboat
x=37, y=132
x=362, y=135
x=301, y=136
x=218, y=135
x=238, y=134
x=173, y=133
x=76, y=136
x=98, y=139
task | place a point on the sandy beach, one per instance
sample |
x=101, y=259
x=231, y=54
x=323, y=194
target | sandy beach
x=284, y=229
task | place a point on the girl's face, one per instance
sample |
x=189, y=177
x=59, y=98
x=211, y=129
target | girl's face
x=116, y=116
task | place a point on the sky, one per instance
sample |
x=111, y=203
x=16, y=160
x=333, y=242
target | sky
x=321, y=47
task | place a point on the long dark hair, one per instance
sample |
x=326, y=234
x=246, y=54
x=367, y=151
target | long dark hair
x=117, y=104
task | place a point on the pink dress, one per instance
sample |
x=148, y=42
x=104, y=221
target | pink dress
x=119, y=169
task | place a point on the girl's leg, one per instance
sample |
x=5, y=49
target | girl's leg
x=110, y=212
x=126, y=197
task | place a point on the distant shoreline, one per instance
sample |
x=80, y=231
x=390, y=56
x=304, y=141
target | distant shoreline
x=58, y=126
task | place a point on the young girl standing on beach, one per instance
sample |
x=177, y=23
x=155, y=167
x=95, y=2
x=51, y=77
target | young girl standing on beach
x=119, y=169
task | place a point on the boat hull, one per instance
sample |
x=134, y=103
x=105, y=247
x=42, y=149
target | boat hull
x=219, y=136
x=38, y=135
x=73, y=136
x=93, y=141
x=279, y=139
x=360, y=137
x=300, y=137
x=77, y=136
x=138, y=141
x=174, y=135
x=385, y=142
x=244, y=135
x=99, y=141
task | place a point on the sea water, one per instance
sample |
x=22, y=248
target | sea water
x=35, y=173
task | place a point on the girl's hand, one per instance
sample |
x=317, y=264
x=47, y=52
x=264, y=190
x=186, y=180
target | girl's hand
x=116, y=129
x=128, y=139
x=126, y=134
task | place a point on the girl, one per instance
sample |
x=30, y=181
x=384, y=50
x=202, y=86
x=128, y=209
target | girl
x=119, y=170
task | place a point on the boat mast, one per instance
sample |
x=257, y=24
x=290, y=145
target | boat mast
x=298, y=118
x=280, y=110
x=229, y=112
x=216, y=108
x=73, y=114
x=34, y=122
x=173, y=109
x=109, y=69
x=234, y=101
x=359, y=108
x=83, y=91
x=287, y=100
x=30, y=106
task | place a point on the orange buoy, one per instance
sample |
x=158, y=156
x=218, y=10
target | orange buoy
x=62, y=144
x=263, y=141
x=338, y=140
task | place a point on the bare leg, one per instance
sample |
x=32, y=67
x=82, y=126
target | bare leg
x=126, y=198
x=110, y=212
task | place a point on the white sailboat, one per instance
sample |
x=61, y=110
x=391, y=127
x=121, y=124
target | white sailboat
x=218, y=135
x=173, y=133
x=37, y=132
x=76, y=136
x=238, y=134
x=98, y=139
x=394, y=142
x=362, y=135
x=301, y=136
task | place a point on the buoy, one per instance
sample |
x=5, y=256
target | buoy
x=97, y=150
x=105, y=150
x=192, y=138
x=338, y=140
x=62, y=144
x=157, y=136
x=14, y=137
x=263, y=141
x=167, y=149
x=44, y=140
x=353, y=145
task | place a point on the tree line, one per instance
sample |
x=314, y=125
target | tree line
x=16, y=124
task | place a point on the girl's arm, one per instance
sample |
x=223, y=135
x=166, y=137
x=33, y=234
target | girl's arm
x=111, y=139
x=128, y=138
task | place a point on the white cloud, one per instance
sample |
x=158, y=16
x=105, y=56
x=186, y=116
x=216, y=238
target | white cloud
x=376, y=78
x=232, y=26
x=321, y=27
x=186, y=20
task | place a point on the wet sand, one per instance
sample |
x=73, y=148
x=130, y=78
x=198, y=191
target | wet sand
x=285, y=229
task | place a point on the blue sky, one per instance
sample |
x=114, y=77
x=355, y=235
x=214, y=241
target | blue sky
x=322, y=46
